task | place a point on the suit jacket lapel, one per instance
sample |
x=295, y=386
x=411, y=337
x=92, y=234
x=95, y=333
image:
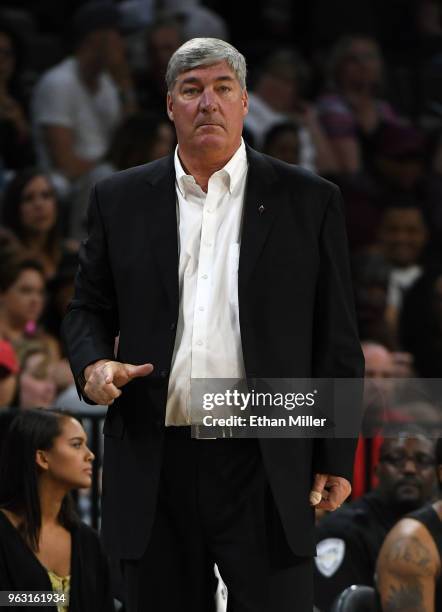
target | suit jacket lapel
x=163, y=228
x=260, y=209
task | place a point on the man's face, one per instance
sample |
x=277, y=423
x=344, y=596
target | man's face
x=407, y=472
x=208, y=106
x=403, y=235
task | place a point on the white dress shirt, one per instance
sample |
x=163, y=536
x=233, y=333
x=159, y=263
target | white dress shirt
x=208, y=341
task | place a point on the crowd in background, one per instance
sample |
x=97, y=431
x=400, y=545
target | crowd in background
x=350, y=90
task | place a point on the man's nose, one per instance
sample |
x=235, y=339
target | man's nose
x=208, y=101
x=410, y=465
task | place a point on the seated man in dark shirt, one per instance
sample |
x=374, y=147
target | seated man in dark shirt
x=410, y=562
x=348, y=542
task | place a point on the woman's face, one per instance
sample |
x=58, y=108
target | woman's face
x=69, y=461
x=38, y=206
x=362, y=64
x=24, y=300
x=7, y=59
x=37, y=387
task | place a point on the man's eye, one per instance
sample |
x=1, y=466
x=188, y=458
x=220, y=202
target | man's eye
x=190, y=90
x=224, y=88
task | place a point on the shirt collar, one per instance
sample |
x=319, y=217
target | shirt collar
x=233, y=171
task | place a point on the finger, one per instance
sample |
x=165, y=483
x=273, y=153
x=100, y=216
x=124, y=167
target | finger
x=137, y=371
x=317, y=489
x=109, y=371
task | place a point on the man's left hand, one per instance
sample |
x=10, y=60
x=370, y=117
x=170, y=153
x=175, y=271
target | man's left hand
x=333, y=490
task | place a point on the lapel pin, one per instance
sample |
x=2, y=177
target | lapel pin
x=261, y=209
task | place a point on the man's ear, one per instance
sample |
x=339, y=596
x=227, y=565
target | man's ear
x=169, y=103
x=245, y=101
x=41, y=460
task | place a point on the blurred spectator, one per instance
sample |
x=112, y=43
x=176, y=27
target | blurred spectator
x=16, y=150
x=31, y=211
x=370, y=277
x=36, y=383
x=9, y=368
x=162, y=39
x=140, y=139
x=403, y=235
x=420, y=325
x=379, y=361
x=43, y=544
x=22, y=298
x=77, y=104
x=399, y=161
x=349, y=539
x=278, y=95
x=282, y=141
x=352, y=113
x=409, y=566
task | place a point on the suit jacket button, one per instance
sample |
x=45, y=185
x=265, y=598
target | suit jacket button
x=164, y=373
x=173, y=327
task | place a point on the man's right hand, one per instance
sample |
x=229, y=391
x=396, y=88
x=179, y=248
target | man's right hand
x=105, y=377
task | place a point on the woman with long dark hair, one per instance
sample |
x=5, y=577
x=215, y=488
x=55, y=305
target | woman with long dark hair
x=43, y=544
x=30, y=209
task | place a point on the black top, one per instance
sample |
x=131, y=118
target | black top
x=89, y=586
x=430, y=518
x=348, y=543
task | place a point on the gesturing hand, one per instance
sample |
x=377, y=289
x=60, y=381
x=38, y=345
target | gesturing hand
x=329, y=492
x=105, y=377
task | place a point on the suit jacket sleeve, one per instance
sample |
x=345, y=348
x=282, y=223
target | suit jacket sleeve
x=91, y=324
x=336, y=348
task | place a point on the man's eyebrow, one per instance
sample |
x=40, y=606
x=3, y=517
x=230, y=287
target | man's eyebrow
x=192, y=79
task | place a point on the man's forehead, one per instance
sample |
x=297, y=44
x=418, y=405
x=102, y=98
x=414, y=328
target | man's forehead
x=416, y=443
x=219, y=71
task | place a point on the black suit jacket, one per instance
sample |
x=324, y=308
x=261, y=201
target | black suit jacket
x=296, y=319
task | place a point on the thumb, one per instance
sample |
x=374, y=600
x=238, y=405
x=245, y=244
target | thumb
x=136, y=371
x=317, y=489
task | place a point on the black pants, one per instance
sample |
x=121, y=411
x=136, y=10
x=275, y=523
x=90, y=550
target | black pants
x=215, y=505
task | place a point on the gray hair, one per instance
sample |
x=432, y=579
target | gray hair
x=205, y=52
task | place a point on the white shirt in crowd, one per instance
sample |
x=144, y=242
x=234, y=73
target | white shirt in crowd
x=261, y=118
x=208, y=341
x=60, y=98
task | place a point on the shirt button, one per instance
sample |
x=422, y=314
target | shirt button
x=200, y=343
x=204, y=276
x=201, y=308
x=209, y=210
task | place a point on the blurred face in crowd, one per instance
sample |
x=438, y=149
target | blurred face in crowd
x=37, y=388
x=407, y=471
x=285, y=146
x=162, y=44
x=38, y=206
x=279, y=91
x=24, y=300
x=96, y=48
x=7, y=59
x=378, y=361
x=361, y=67
x=208, y=106
x=403, y=235
x=69, y=461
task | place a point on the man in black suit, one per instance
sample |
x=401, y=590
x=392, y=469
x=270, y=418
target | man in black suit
x=217, y=262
